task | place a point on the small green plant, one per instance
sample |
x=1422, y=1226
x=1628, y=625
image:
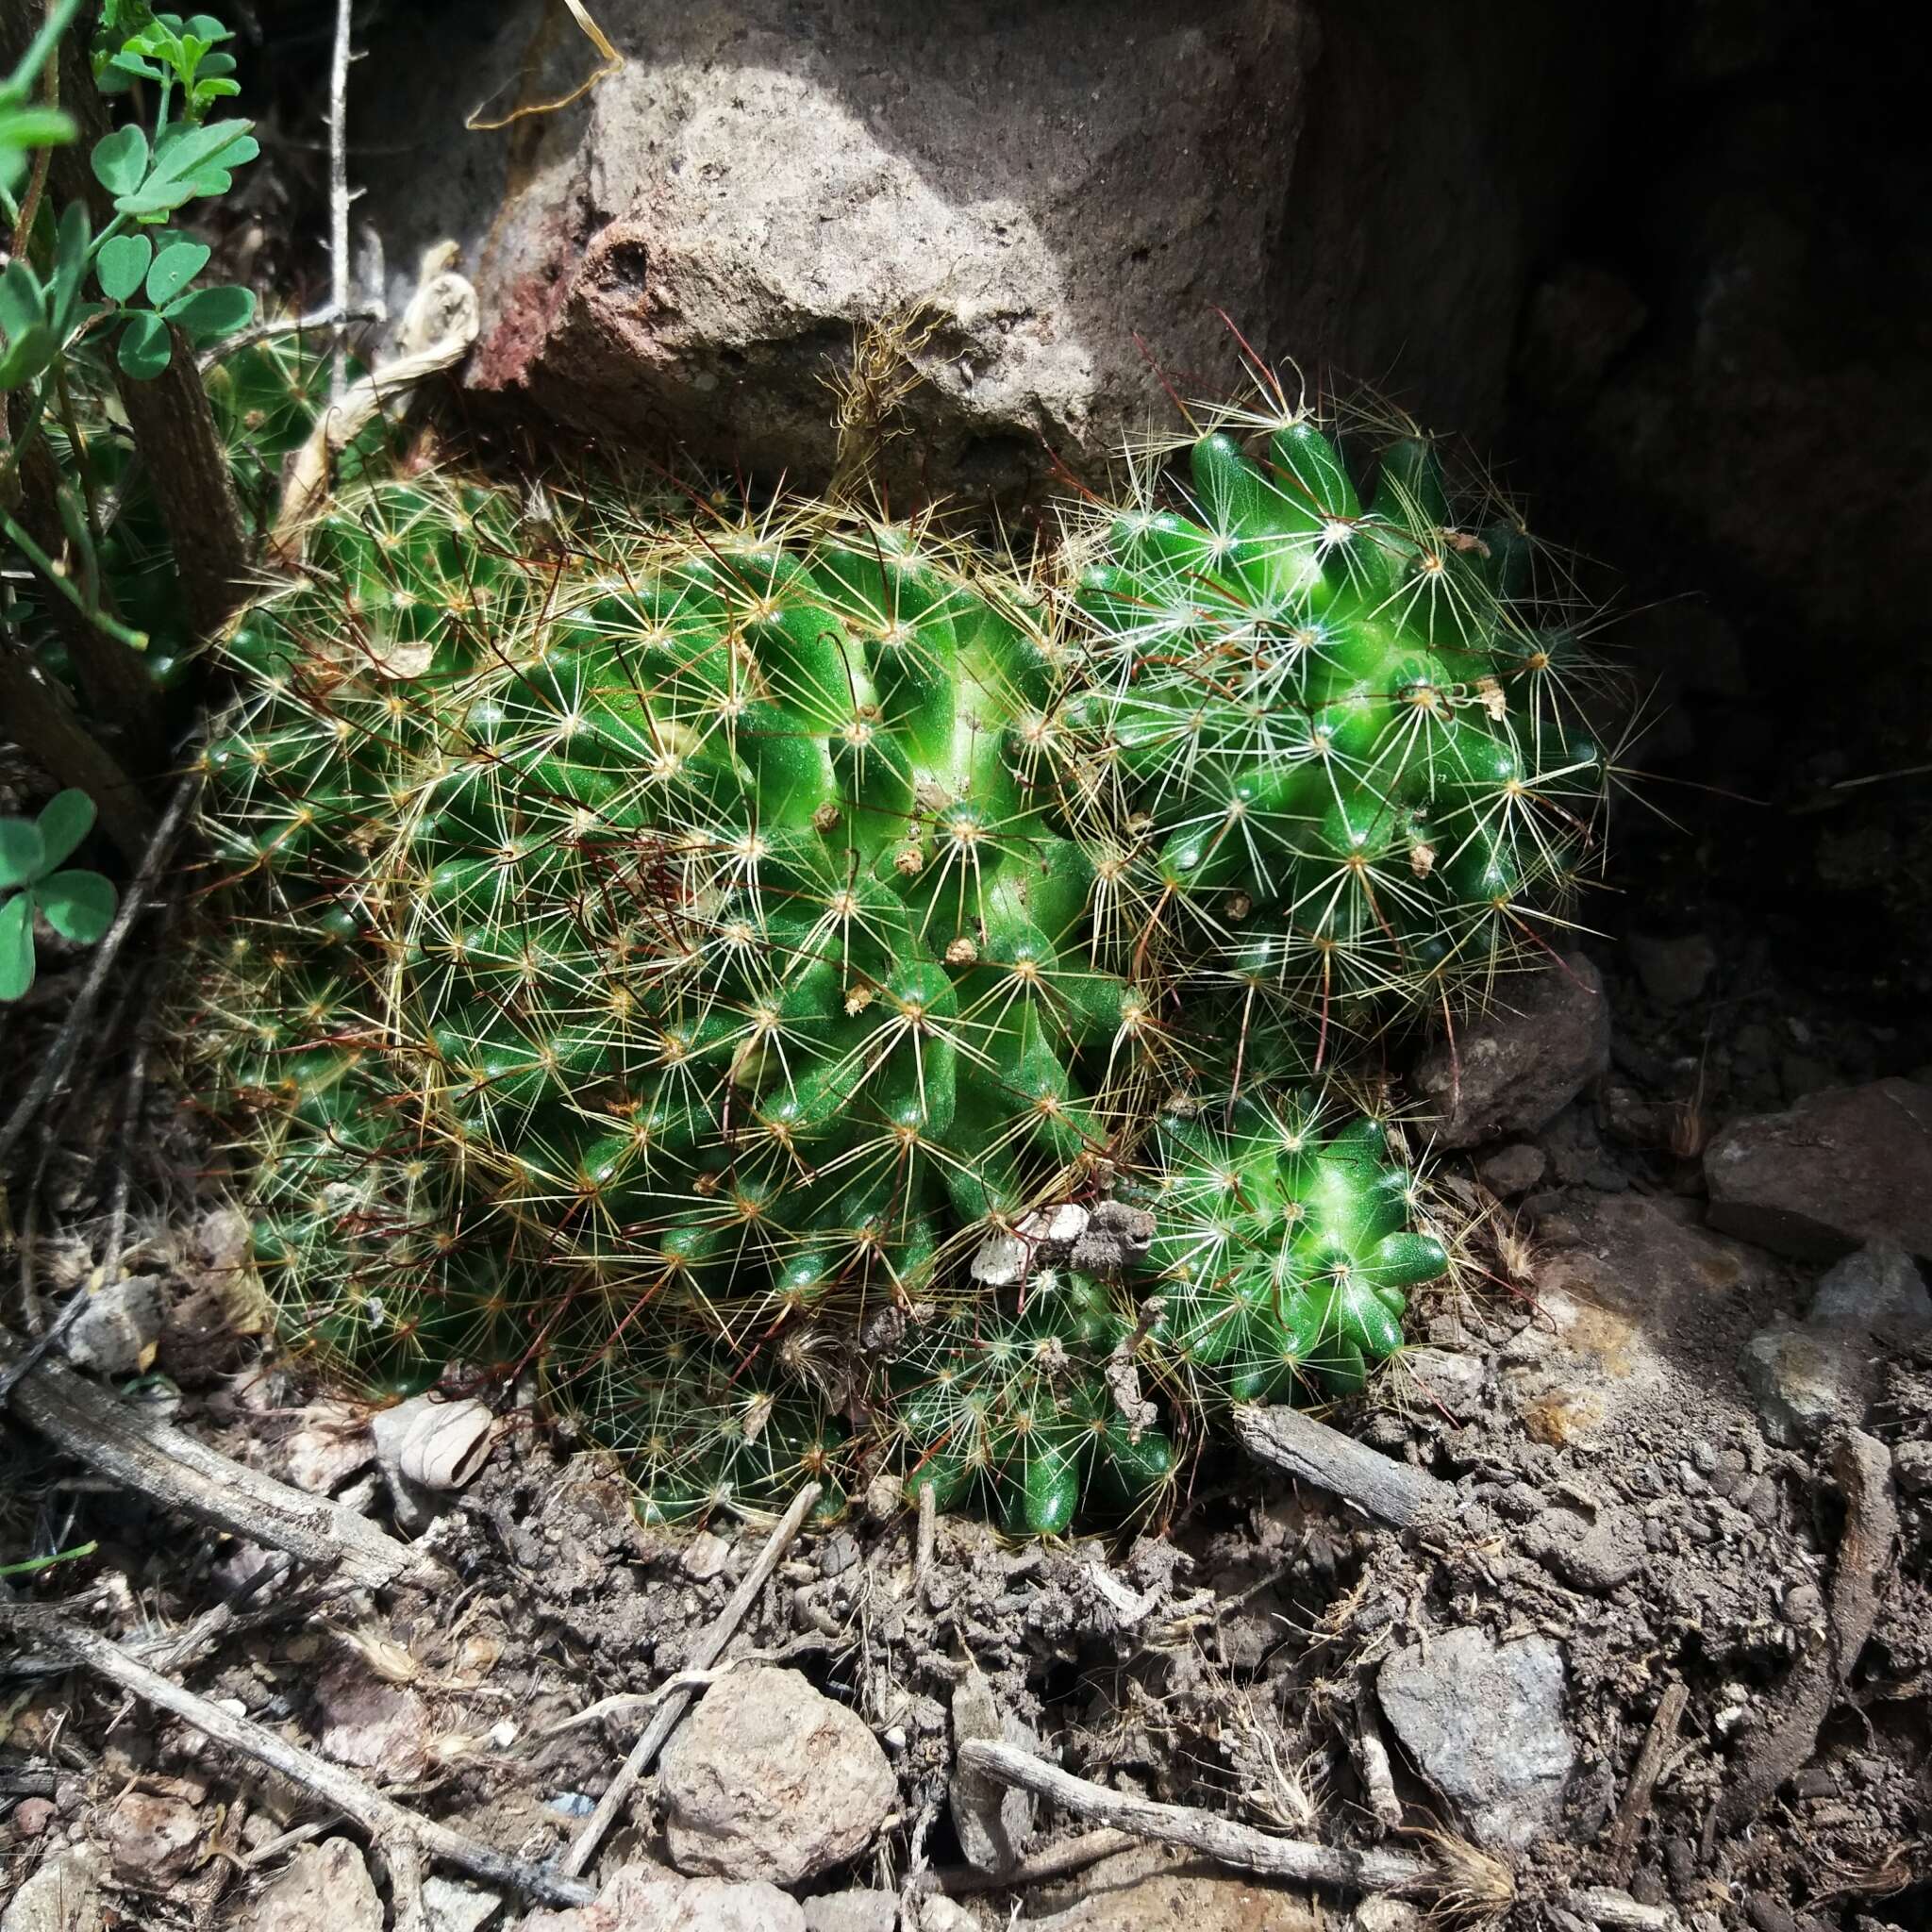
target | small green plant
x=36, y=879
x=99, y=301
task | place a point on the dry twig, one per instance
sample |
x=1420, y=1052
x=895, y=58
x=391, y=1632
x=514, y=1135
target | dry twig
x=401, y=1836
x=1457, y=1878
x=1312, y=1451
x=1643, y=1777
x=171, y=1468
x=710, y=1646
x=1862, y=1466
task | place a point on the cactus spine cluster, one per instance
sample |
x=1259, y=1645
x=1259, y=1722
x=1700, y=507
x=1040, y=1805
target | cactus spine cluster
x=666, y=951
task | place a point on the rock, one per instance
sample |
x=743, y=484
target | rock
x=1484, y=1724
x=1589, y=1553
x=1837, y=1169
x=685, y=252
x=647, y=1898
x=1805, y=1379
x=33, y=1816
x=993, y=1820
x=325, y=1888
x=939, y=1913
x=707, y=1555
x=1514, y=1069
x=116, y=1332
x=1911, y=1463
x=852, y=1911
x=1150, y=1887
x=1454, y=1380
x=1674, y=972
x=368, y=1723
x=151, y=1839
x=769, y=1779
x=454, y=1906
x=1514, y=1170
x=1878, y=1290
x=64, y=1894
x=326, y=1447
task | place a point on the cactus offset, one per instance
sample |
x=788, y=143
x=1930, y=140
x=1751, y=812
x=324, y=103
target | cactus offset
x=1344, y=746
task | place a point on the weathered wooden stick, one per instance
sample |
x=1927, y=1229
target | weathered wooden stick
x=1395, y=1491
x=171, y=1468
x=1221, y=1838
x=386, y=1822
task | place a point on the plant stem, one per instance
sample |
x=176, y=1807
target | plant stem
x=134, y=640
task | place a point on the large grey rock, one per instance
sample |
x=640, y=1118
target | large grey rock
x=647, y=1898
x=1841, y=1168
x=689, y=247
x=1516, y=1067
x=1484, y=1724
x=770, y=1779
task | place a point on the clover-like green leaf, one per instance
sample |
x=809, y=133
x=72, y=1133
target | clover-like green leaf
x=22, y=852
x=146, y=345
x=212, y=312
x=16, y=947
x=122, y=263
x=25, y=356
x=121, y=160
x=66, y=819
x=175, y=267
x=78, y=905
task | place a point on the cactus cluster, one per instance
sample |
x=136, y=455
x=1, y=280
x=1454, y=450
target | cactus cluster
x=808, y=995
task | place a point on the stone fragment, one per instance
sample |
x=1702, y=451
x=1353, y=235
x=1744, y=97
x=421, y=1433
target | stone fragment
x=1589, y=1553
x=993, y=1820
x=368, y=1723
x=1515, y=1170
x=151, y=1839
x=707, y=1555
x=1485, y=1723
x=770, y=1779
x=647, y=1898
x=64, y=1893
x=1513, y=1068
x=1805, y=1379
x=454, y=1906
x=326, y=1888
x=1624, y=1296
x=1911, y=1463
x=1150, y=1887
x=1674, y=972
x=852, y=1911
x=116, y=1331
x=1837, y=1169
x=1452, y=1380
x=1878, y=1290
